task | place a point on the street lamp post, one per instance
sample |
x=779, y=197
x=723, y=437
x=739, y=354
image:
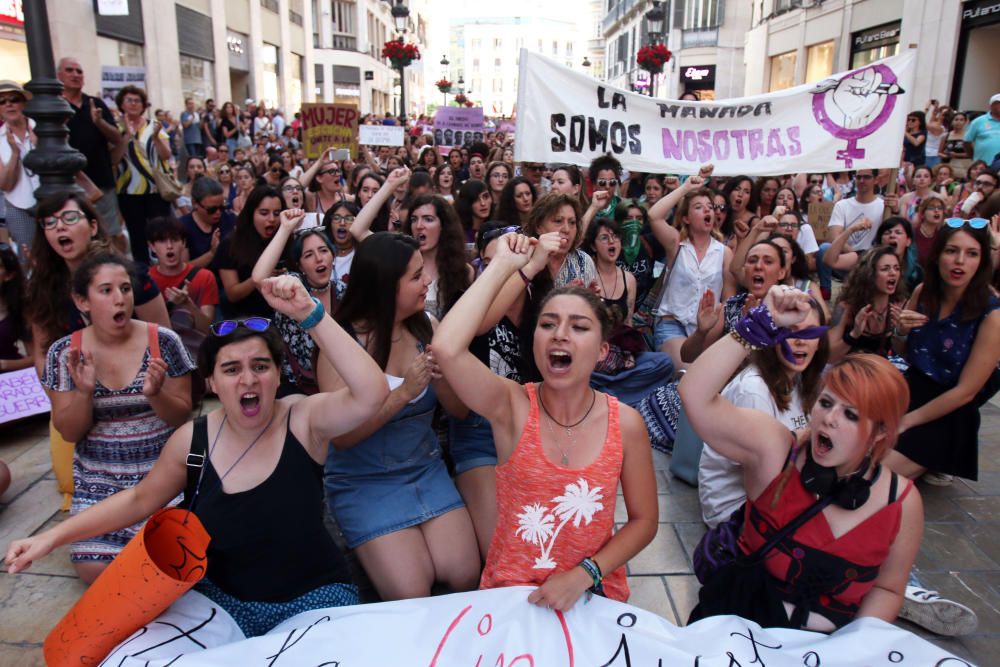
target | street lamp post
x=444, y=64
x=400, y=18
x=53, y=159
x=586, y=63
x=654, y=27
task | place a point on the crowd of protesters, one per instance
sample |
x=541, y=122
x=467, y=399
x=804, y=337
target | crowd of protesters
x=468, y=448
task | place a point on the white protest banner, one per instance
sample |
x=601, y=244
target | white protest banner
x=380, y=135
x=114, y=78
x=500, y=629
x=21, y=395
x=850, y=120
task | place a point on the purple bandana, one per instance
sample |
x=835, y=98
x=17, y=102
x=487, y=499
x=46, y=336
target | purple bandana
x=759, y=329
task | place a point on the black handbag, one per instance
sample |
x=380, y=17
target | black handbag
x=743, y=587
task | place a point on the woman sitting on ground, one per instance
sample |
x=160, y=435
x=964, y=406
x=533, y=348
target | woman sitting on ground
x=264, y=466
x=857, y=552
x=562, y=448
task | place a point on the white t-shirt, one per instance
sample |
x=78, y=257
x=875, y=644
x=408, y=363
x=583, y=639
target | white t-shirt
x=848, y=211
x=720, y=480
x=807, y=239
x=23, y=193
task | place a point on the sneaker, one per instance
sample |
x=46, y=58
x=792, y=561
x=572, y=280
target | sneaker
x=932, y=612
x=938, y=478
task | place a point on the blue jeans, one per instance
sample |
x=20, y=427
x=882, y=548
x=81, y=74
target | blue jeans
x=826, y=273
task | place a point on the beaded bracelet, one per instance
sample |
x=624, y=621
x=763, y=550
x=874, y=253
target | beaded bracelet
x=742, y=341
x=315, y=317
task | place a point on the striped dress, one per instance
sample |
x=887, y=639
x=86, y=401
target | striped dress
x=123, y=443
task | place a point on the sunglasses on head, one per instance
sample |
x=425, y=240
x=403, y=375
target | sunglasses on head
x=958, y=223
x=299, y=233
x=226, y=327
x=497, y=233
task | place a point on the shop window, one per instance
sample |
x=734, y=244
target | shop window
x=296, y=70
x=782, y=71
x=819, y=61
x=344, y=28
x=197, y=79
x=269, y=58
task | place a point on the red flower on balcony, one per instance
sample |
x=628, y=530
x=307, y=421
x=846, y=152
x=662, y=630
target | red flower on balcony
x=400, y=54
x=461, y=99
x=443, y=85
x=469, y=103
x=653, y=58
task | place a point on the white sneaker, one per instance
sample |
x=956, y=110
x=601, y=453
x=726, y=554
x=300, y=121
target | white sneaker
x=938, y=478
x=933, y=612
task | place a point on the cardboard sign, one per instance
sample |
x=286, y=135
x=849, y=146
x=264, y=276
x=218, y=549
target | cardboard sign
x=851, y=120
x=456, y=126
x=114, y=79
x=819, y=219
x=329, y=126
x=499, y=628
x=21, y=395
x=380, y=135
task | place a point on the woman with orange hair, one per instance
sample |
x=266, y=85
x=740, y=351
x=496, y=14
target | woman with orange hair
x=828, y=533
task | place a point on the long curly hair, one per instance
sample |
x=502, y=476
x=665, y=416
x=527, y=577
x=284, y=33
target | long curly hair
x=859, y=290
x=48, y=289
x=507, y=208
x=453, y=271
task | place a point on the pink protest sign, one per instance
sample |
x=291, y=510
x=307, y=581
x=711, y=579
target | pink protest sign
x=21, y=395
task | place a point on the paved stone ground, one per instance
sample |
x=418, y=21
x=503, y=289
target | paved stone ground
x=960, y=555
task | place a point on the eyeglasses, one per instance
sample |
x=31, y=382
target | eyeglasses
x=276, y=170
x=497, y=233
x=341, y=218
x=74, y=70
x=975, y=223
x=68, y=218
x=934, y=208
x=299, y=233
x=226, y=327
x=13, y=99
x=211, y=210
x=789, y=225
x=979, y=184
x=335, y=172
x=292, y=188
x=720, y=207
x=607, y=183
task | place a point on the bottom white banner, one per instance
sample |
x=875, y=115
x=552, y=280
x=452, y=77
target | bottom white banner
x=498, y=628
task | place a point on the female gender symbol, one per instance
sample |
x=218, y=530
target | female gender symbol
x=861, y=101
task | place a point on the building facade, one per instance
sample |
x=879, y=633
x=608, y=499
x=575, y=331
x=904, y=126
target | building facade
x=347, y=40
x=706, y=38
x=800, y=41
x=484, y=53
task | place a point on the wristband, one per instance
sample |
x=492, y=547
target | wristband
x=527, y=281
x=757, y=330
x=850, y=339
x=315, y=317
x=591, y=567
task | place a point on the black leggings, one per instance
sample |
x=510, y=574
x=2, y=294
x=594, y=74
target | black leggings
x=137, y=210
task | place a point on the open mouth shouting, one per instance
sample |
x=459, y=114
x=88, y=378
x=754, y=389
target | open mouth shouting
x=560, y=360
x=120, y=318
x=250, y=404
x=65, y=243
x=890, y=285
x=823, y=445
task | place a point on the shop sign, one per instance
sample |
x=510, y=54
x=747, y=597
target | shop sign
x=981, y=12
x=699, y=73
x=239, y=56
x=12, y=11
x=876, y=37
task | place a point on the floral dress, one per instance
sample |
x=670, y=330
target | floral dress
x=123, y=443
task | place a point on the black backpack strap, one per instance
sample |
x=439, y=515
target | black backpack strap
x=191, y=274
x=790, y=528
x=196, y=458
x=893, y=487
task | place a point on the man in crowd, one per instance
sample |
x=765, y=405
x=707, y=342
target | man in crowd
x=982, y=137
x=207, y=223
x=984, y=186
x=209, y=124
x=93, y=132
x=182, y=284
x=191, y=124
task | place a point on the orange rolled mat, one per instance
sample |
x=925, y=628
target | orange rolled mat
x=161, y=563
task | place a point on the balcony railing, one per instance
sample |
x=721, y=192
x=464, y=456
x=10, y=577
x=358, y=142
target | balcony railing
x=270, y=4
x=344, y=43
x=295, y=17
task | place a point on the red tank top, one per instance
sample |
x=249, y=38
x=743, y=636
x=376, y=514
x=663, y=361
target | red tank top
x=838, y=584
x=549, y=518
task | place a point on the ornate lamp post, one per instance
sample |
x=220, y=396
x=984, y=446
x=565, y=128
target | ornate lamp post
x=444, y=66
x=654, y=26
x=400, y=18
x=586, y=63
x=53, y=159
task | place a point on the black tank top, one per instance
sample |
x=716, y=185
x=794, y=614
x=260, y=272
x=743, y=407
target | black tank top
x=269, y=543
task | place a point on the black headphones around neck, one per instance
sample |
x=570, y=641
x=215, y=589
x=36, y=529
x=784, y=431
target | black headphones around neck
x=851, y=492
